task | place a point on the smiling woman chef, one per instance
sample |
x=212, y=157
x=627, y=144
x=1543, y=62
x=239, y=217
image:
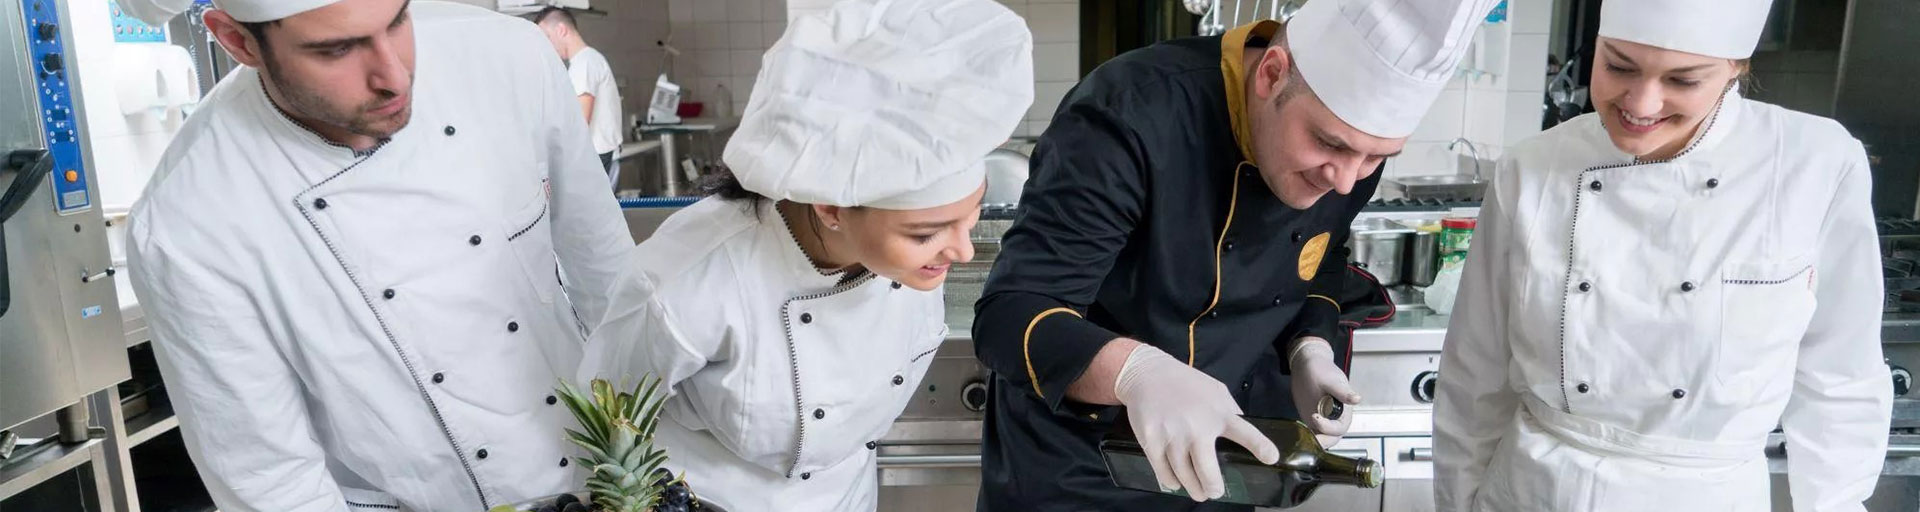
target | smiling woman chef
x=792, y=315
x=1657, y=285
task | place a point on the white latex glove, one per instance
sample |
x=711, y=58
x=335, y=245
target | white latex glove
x=1315, y=376
x=1178, y=413
x=1199, y=6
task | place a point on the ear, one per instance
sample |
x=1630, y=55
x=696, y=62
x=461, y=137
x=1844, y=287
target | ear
x=1271, y=72
x=235, y=38
x=831, y=216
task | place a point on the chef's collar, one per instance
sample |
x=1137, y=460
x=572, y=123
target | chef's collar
x=1233, y=69
x=798, y=265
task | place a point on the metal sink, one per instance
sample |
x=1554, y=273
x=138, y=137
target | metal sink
x=1458, y=187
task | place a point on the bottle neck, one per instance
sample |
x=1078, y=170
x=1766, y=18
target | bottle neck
x=1348, y=471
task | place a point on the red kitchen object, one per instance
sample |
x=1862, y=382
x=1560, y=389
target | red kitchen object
x=690, y=109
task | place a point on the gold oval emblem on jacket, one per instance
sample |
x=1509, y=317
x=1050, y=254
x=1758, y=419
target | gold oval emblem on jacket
x=1311, y=254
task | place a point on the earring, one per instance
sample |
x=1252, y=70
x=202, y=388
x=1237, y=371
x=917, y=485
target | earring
x=835, y=227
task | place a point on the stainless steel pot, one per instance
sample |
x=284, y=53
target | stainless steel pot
x=1006, y=176
x=1379, y=245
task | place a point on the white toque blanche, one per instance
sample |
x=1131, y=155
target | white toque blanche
x=1727, y=29
x=158, y=12
x=1379, y=64
x=889, y=104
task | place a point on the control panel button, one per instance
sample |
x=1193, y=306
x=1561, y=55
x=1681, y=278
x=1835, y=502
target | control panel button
x=48, y=31
x=51, y=63
x=974, y=396
x=73, y=176
x=1423, y=386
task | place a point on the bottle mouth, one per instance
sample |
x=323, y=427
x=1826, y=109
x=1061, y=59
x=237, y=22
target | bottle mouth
x=1370, y=474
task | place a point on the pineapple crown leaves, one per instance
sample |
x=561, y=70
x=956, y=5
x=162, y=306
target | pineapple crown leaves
x=617, y=430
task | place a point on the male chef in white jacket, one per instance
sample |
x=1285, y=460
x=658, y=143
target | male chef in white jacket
x=370, y=256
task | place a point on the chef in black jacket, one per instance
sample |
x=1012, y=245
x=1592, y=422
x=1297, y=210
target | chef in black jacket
x=1179, y=242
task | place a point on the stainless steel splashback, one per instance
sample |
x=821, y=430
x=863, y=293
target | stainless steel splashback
x=1874, y=98
x=62, y=338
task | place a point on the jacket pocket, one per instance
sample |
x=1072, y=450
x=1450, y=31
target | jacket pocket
x=1764, y=310
x=530, y=235
x=359, y=500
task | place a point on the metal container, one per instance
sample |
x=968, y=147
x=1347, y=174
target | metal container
x=1444, y=188
x=1379, y=245
x=1423, y=258
x=1006, y=176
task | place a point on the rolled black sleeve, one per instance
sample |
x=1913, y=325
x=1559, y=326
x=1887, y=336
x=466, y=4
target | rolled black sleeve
x=1320, y=314
x=1080, y=206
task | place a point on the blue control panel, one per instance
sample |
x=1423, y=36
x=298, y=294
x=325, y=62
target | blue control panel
x=51, y=68
x=128, y=29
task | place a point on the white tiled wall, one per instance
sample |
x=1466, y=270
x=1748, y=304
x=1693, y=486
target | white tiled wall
x=1493, y=102
x=1056, y=56
x=721, y=43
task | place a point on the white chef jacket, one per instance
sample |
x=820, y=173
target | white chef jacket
x=382, y=331
x=1627, y=334
x=780, y=376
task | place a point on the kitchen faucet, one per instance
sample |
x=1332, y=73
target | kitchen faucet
x=1471, y=149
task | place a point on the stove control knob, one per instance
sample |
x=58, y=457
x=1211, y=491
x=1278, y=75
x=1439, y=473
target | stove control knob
x=1902, y=381
x=1423, y=386
x=974, y=396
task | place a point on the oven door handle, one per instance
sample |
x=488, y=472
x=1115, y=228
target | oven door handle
x=928, y=461
x=1898, y=451
x=1420, y=454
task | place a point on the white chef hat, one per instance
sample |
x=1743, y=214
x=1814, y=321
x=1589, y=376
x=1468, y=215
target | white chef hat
x=256, y=11
x=1727, y=29
x=885, y=103
x=156, y=12
x=1379, y=64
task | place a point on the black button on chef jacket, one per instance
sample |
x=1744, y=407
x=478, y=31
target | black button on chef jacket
x=1135, y=189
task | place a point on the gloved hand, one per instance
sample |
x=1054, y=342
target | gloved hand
x=1315, y=376
x=1199, y=6
x=1178, y=413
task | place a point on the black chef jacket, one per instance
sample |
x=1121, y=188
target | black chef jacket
x=1144, y=219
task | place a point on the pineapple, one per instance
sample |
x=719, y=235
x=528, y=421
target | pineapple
x=618, y=439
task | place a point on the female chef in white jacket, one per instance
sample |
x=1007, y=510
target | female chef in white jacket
x=1657, y=285
x=792, y=315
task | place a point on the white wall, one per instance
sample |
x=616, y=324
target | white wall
x=1056, y=56
x=1493, y=102
x=721, y=43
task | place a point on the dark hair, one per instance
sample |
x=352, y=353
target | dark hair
x=259, y=31
x=565, y=16
x=723, y=184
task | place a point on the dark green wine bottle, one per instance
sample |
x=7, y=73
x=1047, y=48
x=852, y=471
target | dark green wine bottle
x=1304, y=466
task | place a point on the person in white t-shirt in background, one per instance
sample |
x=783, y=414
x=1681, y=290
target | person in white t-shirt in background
x=592, y=80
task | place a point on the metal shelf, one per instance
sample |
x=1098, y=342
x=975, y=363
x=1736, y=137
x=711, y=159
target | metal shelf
x=157, y=420
x=43, y=463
